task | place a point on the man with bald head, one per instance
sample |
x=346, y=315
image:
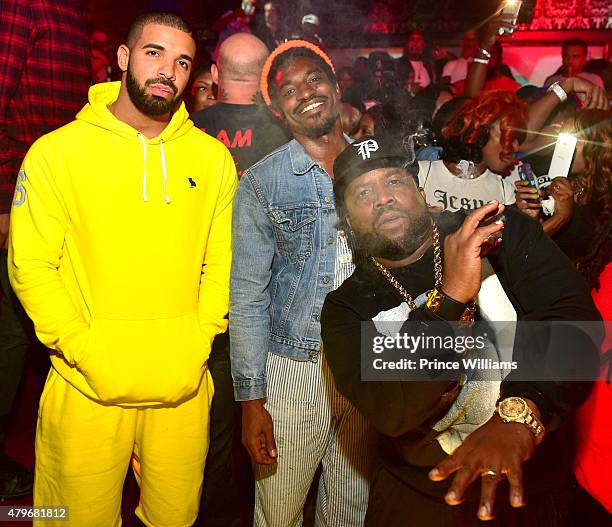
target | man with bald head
x=246, y=128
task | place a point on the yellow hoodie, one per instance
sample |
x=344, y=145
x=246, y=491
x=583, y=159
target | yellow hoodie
x=120, y=250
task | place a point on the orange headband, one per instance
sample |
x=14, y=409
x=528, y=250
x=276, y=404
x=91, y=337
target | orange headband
x=290, y=44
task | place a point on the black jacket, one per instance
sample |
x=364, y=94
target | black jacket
x=539, y=281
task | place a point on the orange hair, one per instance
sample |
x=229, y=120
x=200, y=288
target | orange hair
x=472, y=123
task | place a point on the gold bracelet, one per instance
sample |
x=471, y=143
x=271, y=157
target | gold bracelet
x=450, y=309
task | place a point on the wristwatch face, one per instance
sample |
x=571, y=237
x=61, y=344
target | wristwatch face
x=513, y=406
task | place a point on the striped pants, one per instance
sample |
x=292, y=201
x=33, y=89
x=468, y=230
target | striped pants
x=313, y=423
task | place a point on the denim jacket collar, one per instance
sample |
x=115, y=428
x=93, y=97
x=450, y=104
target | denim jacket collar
x=301, y=162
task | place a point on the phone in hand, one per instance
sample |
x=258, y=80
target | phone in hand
x=526, y=174
x=512, y=8
x=561, y=161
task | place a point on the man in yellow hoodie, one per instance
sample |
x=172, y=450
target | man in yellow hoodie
x=120, y=253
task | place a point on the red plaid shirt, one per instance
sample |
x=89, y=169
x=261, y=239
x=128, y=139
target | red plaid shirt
x=44, y=77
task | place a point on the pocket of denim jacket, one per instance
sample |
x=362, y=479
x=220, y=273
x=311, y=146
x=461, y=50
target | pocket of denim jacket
x=293, y=229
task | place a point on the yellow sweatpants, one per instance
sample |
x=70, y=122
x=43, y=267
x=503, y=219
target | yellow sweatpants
x=84, y=447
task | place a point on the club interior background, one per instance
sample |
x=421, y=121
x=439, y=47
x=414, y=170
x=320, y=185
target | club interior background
x=351, y=28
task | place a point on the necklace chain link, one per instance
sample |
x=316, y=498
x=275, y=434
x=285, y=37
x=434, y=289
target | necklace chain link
x=437, y=270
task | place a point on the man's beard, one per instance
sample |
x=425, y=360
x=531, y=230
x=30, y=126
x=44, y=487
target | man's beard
x=315, y=131
x=378, y=245
x=150, y=104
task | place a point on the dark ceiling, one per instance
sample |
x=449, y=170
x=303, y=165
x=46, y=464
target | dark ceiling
x=342, y=20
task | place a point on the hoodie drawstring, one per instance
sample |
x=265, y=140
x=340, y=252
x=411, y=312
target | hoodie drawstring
x=144, y=174
x=163, y=164
x=163, y=167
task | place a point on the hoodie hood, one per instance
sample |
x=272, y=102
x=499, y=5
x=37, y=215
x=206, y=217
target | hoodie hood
x=97, y=113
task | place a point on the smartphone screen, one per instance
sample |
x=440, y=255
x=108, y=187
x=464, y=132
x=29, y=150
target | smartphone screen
x=561, y=161
x=526, y=174
x=510, y=7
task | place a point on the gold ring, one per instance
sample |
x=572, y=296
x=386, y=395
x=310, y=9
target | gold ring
x=488, y=473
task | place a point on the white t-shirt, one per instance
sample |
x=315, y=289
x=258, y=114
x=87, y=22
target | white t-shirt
x=444, y=189
x=421, y=75
x=456, y=69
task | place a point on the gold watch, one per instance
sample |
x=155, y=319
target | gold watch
x=516, y=410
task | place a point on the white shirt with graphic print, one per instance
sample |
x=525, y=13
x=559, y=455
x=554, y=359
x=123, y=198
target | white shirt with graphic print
x=444, y=189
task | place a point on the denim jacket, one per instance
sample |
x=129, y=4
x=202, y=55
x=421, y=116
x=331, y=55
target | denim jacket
x=284, y=251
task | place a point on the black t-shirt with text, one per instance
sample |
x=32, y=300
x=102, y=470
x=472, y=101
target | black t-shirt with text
x=249, y=131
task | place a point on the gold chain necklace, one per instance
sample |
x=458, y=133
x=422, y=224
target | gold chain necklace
x=437, y=271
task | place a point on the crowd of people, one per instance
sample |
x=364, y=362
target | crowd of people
x=202, y=246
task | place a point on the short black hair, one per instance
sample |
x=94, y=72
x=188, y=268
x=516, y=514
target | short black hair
x=575, y=42
x=388, y=119
x=155, y=17
x=530, y=93
x=287, y=56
